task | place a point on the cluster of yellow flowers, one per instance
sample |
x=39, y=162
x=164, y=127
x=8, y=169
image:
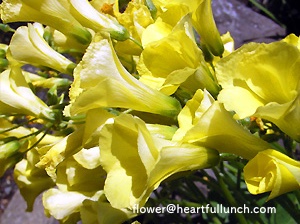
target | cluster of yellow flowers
x=151, y=98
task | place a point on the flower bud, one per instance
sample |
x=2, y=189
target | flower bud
x=9, y=149
x=52, y=13
x=17, y=97
x=88, y=16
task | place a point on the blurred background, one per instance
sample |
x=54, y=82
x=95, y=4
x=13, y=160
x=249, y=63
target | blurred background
x=284, y=12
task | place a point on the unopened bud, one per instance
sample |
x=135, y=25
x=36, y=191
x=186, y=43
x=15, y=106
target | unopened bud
x=9, y=149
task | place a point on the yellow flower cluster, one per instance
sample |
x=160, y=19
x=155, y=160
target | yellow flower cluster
x=152, y=99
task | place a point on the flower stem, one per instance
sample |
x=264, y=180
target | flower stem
x=229, y=197
x=136, y=42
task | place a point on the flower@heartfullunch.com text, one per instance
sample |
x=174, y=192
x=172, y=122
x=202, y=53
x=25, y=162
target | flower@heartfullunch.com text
x=219, y=208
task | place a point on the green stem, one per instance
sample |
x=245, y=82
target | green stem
x=40, y=139
x=136, y=42
x=32, y=134
x=266, y=11
x=229, y=197
x=17, y=126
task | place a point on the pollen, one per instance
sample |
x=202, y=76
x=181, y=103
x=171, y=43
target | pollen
x=108, y=9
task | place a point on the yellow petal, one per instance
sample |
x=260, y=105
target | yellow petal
x=72, y=176
x=125, y=168
x=28, y=46
x=205, y=25
x=63, y=204
x=103, y=213
x=244, y=103
x=17, y=97
x=54, y=154
x=52, y=13
x=102, y=81
x=272, y=171
x=155, y=32
x=254, y=85
x=31, y=180
x=174, y=159
x=183, y=52
x=210, y=131
x=84, y=12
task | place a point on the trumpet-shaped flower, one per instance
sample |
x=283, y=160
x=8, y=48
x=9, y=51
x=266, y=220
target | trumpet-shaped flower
x=28, y=46
x=183, y=66
x=88, y=16
x=65, y=205
x=31, y=180
x=204, y=121
x=138, y=162
x=259, y=81
x=17, y=97
x=80, y=175
x=102, y=81
x=272, y=171
x=202, y=17
x=205, y=25
x=86, y=136
x=53, y=13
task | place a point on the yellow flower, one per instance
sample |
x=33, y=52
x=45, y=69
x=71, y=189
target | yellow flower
x=136, y=19
x=28, y=46
x=136, y=161
x=17, y=97
x=52, y=13
x=54, y=154
x=89, y=17
x=31, y=180
x=183, y=65
x=84, y=137
x=81, y=172
x=259, y=81
x=205, y=122
x=100, y=80
x=202, y=17
x=205, y=25
x=78, y=174
x=103, y=213
x=272, y=171
x=65, y=205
